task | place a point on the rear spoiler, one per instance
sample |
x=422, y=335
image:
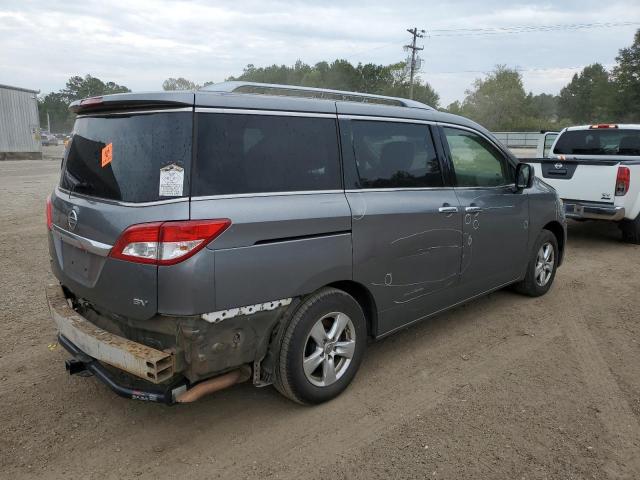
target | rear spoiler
x=133, y=101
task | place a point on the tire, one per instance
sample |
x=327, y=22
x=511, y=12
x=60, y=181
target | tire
x=631, y=230
x=537, y=280
x=308, y=341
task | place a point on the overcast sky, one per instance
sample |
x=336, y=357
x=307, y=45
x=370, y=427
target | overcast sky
x=139, y=43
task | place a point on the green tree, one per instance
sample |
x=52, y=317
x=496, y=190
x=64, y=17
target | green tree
x=341, y=75
x=78, y=87
x=179, y=84
x=56, y=106
x=498, y=102
x=589, y=97
x=626, y=81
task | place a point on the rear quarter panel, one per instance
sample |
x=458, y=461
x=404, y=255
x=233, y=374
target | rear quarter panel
x=278, y=246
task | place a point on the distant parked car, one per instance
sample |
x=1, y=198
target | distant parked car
x=48, y=139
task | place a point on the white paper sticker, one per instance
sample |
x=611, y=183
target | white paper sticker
x=171, y=181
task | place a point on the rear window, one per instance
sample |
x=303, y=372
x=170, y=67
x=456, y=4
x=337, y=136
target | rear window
x=130, y=158
x=612, y=141
x=264, y=153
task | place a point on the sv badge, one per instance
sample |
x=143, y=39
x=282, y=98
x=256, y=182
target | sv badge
x=140, y=302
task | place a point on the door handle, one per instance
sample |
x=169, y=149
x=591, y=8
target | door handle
x=472, y=209
x=448, y=209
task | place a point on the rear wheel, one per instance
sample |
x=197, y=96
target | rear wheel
x=541, y=270
x=321, y=348
x=631, y=230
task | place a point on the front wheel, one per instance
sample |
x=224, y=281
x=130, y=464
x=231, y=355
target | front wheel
x=321, y=348
x=541, y=269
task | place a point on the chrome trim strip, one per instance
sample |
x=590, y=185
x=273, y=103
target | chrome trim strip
x=264, y=194
x=397, y=189
x=60, y=191
x=280, y=113
x=385, y=119
x=133, y=112
x=83, y=243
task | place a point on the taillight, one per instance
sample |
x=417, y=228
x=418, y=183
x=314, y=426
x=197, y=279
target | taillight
x=166, y=243
x=604, y=125
x=91, y=101
x=623, y=180
x=49, y=209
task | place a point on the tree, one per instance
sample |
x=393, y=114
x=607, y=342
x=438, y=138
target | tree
x=589, y=97
x=78, y=88
x=498, y=102
x=340, y=74
x=56, y=104
x=626, y=81
x=179, y=84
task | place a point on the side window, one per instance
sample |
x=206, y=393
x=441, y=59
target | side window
x=395, y=155
x=476, y=162
x=265, y=153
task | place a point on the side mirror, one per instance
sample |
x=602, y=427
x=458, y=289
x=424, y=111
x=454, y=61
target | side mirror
x=524, y=176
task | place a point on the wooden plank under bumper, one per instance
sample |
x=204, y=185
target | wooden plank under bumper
x=145, y=362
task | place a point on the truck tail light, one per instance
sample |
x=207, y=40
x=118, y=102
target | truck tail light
x=623, y=180
x=49, y=210
x=166, y=243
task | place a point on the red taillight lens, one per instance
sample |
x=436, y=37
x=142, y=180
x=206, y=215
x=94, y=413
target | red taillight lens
x=623, y=180
x=91, y=101
x=604, y=125
x=49, y=210
x=166, y=243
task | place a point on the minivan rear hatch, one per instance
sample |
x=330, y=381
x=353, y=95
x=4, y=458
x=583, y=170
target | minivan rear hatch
x=122, y=168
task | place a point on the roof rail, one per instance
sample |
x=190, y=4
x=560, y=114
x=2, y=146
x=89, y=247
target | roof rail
x=311, y=92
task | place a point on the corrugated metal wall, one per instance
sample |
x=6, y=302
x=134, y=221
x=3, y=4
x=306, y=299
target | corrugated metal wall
x=19, y=123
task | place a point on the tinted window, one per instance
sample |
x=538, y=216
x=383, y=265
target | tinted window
x=264, y=153
x=120, y=157
x=395, y=155
x=599, y=142
x=476, y=162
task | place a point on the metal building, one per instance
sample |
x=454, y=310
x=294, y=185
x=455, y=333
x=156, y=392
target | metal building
x=19, y=123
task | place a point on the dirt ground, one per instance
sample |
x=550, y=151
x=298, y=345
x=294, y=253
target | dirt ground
x=505, y=387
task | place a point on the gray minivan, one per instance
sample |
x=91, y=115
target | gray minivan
x=268, y=232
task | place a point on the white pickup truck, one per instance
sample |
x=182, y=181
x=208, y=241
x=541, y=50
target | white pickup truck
x=596, y=171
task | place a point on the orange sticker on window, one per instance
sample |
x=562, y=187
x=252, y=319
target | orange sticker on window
x=107, y=155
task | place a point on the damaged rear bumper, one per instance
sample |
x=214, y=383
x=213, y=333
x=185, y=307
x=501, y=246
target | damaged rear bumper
x=81, y=362
x=193, y=355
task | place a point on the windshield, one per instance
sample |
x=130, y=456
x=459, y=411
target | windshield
x=599, y=142
x=130, y=158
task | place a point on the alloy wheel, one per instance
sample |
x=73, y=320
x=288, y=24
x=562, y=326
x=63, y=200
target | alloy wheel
x=329, y=348
x=545, y=263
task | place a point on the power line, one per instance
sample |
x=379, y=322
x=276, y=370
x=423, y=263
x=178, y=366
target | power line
x=518, y=69
x=509, y=30
x=519, y=29
x=414, y=32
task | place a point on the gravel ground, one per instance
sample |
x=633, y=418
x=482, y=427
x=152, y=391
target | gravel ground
x=505, y=387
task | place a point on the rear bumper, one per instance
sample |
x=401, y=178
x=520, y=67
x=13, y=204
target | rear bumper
x=81, y=362
x=152, y=365
x=593, y=211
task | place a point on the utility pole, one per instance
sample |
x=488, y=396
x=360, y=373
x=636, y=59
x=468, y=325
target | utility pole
x=416, y=34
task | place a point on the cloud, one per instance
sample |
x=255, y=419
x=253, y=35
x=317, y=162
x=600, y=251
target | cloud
x=140, y=43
